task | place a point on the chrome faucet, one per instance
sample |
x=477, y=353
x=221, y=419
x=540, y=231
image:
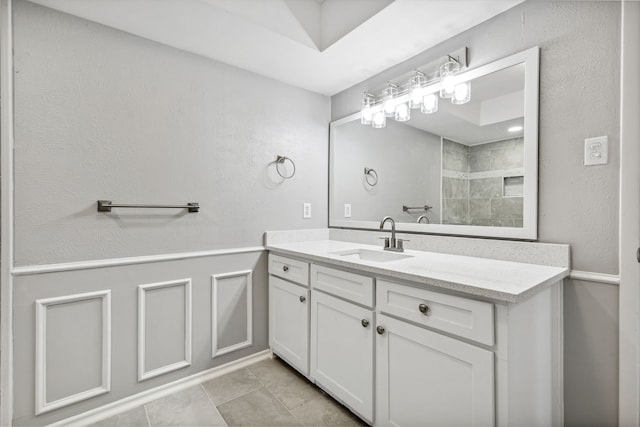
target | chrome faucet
x=391, y=244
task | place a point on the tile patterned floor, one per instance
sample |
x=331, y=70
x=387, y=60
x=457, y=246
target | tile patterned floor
x=269, y=393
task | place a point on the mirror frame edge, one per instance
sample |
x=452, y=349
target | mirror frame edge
x=529, y=231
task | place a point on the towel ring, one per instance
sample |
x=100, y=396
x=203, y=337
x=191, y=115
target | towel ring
x=371, y=176
x=279, y=161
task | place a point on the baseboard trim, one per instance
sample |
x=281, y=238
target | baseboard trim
x=114, y=408
x=86, y=265
x=588, y=276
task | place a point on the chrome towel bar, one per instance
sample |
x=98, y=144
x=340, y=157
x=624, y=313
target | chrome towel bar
x=407, y=208
x=107, y=205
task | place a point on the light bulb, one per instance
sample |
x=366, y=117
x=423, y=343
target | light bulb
x=429, y=103
x=403, y=112
x=515, y=129
x=448, y=71
x=461, y=93
x=379, y=120
x=415, y=90
x=366, y=113
x=389, y=102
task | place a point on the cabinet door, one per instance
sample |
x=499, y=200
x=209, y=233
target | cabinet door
x=289, y=323
x=342, y=351
x=427, y=379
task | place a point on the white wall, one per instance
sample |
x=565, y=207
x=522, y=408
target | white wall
x=579, y=98
x=100, y=114
x=407, y=161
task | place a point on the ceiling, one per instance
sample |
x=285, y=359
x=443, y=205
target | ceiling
x=324, y=46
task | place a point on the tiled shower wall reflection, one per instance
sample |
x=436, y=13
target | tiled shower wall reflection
x=482, y=184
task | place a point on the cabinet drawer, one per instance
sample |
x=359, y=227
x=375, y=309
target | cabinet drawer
x=456, y=315
x=290, y=269
x=353, y=287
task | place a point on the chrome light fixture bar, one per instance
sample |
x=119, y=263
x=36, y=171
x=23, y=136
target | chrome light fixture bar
x=421, y=90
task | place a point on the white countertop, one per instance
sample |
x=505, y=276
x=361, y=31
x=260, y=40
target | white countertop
x=503, y=281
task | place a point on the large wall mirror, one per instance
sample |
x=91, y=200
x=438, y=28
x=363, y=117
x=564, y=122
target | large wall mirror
x=467, y=169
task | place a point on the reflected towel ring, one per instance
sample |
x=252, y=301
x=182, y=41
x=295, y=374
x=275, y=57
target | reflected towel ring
x=279, y=161
x=371, y=176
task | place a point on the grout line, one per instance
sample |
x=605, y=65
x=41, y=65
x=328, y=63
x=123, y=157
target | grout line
x=236, y=397
x=283, y=405
x=213, y=404
x=146, y=413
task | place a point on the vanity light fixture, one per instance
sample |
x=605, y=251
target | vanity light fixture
x=429, y=103
x=415, y=89
x=448, y=72
x=379, y=119
x=389, y=99
x=403, y=112
x=461, y=93
x=366, y=116
x=420, y=91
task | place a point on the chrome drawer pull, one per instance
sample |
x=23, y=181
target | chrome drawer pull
x=285, y=268
x=424, y=308
x=365, y=323
x=380, y=330
x=302, y=299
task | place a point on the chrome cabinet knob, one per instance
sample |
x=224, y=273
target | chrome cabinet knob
x=424, y=308
x=365, y=323
x=285, y=268
x=380, y=330
x=302, y=299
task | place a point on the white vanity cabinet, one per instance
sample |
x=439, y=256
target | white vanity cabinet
x=427, y=379
x=400, y=353
x=342, y=336
x=289, y=311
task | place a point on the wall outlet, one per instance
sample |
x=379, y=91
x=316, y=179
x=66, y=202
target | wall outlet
x=306, y=210
x=347, y=210
x=596, y=151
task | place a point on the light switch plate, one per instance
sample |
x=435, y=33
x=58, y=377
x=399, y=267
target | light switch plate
x=596, y=151
x=347, y=210
x=306, y=210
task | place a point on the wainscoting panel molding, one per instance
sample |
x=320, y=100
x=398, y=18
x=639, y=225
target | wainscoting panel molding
x=71, y=306
x=231, y=312
x=166, y=309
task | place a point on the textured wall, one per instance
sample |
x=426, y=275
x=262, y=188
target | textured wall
x=100, y=114
x=407, y=161
x=579, y=98
x=579, y=52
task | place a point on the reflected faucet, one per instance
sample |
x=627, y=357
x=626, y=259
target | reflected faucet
x=391, y=244
x=426, y=219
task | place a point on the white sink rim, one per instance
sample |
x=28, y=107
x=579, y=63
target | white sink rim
x=371, y=255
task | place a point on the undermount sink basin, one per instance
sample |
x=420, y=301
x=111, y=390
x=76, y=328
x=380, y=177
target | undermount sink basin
x=372, y=255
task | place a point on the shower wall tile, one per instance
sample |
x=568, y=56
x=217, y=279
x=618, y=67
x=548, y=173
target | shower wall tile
x=456, y=211
x=479, y=160
x=508, y=207
x=455, y=188
x=455, y=156
x=507, y=158
x=479, y=208
x=485, y=188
